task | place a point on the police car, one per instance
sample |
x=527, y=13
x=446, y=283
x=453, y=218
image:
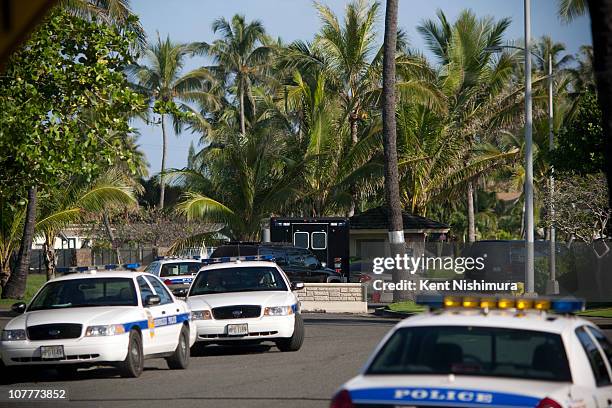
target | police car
x=246, y=298
x=99, y=318
x=487, y=352
x=176, y=273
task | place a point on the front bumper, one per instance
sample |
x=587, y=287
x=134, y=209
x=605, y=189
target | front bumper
x=260, y=328
x=84, y=350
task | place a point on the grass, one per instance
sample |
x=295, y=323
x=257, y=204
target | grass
x=34, y=282
x=406, y=307
x=605, y=312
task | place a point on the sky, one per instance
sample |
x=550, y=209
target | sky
x=190, y=20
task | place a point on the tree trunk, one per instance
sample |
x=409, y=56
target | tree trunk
x=471, y=216
x=111, y=236
x=50, y=259
x=601, y=29
x=353, y=124
x=162, y=183
x=392, y=197
x=16, y=285
x=242, y=118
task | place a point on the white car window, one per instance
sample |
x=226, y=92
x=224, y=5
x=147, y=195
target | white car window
x=160, y=290
x=153, y=268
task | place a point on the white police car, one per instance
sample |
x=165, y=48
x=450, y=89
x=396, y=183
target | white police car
x=97, y=318
x=238, y=299
x=486, y=352
x=176, y=273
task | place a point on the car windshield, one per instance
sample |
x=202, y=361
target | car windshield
x=243, y=279
x=85, y=293
x=180, y=268
x=482, y=351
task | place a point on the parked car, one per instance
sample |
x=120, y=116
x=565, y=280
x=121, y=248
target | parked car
x=299, y=264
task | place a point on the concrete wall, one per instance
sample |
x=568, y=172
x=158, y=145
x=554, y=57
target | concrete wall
x=333, y=297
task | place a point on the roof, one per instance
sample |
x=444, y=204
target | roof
x=238, y=264
x=377, y=218
x=536, y=321
x=99, y=274
x=174, y=260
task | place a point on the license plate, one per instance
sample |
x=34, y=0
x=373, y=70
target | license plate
x=237, y=329
x=51, y=352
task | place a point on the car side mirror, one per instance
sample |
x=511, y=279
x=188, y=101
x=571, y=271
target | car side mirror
x=152, y=300
x=313, y=267
x=182, y=292
x=297, y=285
x=19, y=307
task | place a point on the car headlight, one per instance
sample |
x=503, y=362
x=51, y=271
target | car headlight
x=278, y=311
x=201, y=315
x=13, y=335
x=106, y=330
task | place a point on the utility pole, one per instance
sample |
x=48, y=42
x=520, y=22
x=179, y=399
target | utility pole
x=529, y=224
x=552, y=286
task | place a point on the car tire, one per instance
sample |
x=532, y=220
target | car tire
x=179, y=360
x=133, y=364
x=293, y=343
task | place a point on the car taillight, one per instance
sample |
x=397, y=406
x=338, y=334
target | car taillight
x=168, y=282
x=342, y=400
x=548, y=403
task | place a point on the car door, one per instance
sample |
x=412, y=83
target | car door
x=168, y=324
x=600, y=366
x=605, y=348
x=150, y=342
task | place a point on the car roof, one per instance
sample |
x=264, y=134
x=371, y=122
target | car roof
x=238, y=264
x=170, y=260
x=530, y=320
x=100, y=274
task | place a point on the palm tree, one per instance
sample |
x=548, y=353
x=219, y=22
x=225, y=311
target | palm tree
x=349, y=50
x=568, y=10
x=242, y=57
x=392, y=198
x=240, y=179
x=170, y=90
x=112, y=12
x=472, y=81
x=74, y=203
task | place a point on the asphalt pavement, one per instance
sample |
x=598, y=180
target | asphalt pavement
x=335, y=348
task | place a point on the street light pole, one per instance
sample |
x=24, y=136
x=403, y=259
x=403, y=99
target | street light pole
x=529, y=224
x=552, y=286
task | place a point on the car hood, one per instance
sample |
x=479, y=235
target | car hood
x=267, y=298
x=80, y=315
x=462, y=390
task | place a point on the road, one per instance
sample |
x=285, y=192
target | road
x=334, y=350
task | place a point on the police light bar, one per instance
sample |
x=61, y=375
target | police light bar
x=108, y=267
x=504, y=302
x=224, y=259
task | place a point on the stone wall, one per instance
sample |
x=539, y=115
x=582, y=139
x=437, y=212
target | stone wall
x=333, y=297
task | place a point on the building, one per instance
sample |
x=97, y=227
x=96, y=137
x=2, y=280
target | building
x=368, y=235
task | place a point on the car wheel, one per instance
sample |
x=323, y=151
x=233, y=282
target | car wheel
x=133, y=364
x=293, y=343
x=179, y=360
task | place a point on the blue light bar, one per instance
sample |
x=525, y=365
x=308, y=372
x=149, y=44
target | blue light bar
x=131, y=265
x=431, y=301
x=110, y=267
x=82, y=268
x=197, y=257
x=224, y=259
x=62, y=269
x=567, y=305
